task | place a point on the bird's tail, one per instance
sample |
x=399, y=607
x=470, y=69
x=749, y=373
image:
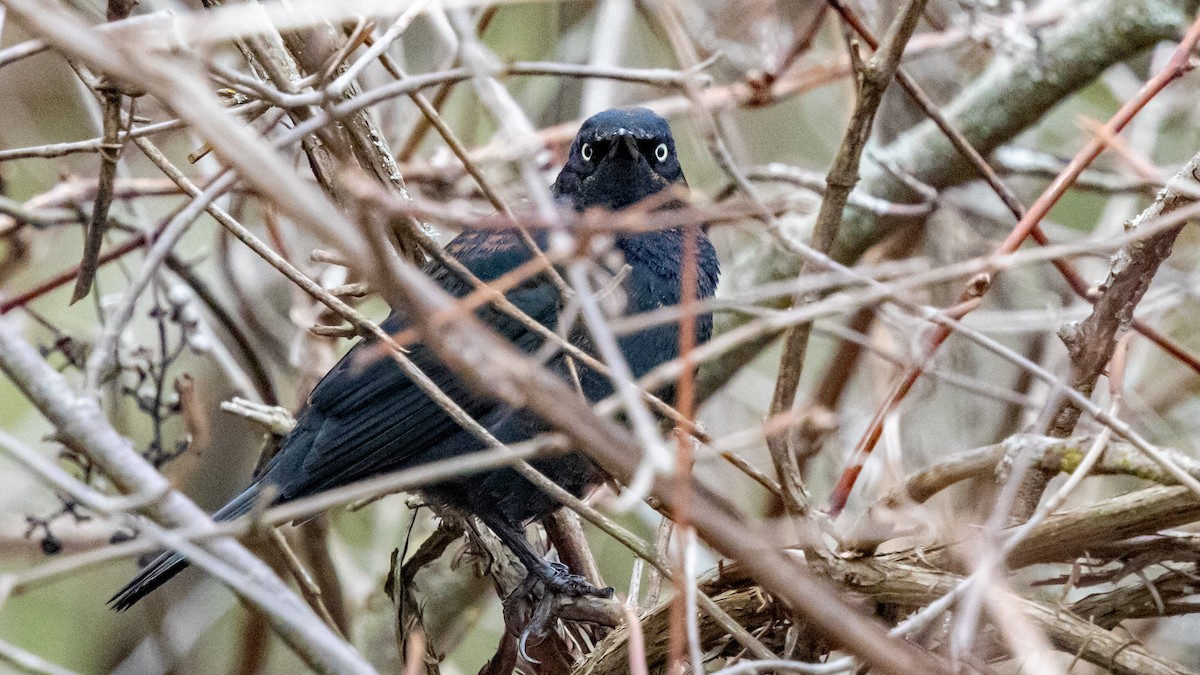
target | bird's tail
x=167, y=565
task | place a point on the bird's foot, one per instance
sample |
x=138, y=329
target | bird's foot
x=557, y=579
x=556, y=584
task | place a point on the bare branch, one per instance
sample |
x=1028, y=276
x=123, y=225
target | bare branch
x=80, y=424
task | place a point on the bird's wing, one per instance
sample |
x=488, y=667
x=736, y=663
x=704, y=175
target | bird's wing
x=367, y=417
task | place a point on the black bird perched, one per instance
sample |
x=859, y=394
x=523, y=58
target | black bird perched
x=367, y=419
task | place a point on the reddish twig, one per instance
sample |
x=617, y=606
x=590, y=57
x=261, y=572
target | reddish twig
x=685, y=403
x=874, y=77
x=134, y=243
x=1176, y=67
x=968, y=151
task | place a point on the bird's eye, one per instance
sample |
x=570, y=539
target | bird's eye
x=586, y=152
x=660, y=153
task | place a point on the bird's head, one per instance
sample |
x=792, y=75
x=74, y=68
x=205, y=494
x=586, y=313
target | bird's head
x=620, y=157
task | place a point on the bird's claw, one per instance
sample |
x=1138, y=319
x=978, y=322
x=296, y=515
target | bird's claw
x=538, y=626
x=555, y=582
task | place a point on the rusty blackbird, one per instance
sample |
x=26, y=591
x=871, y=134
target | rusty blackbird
x=365, y=419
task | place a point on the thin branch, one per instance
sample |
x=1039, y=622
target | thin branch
x=28, y=662
x=874, y=77
x=1177, y=67
x=80, y=424
x=1091, y=342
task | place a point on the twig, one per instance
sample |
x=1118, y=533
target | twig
x=276, y=419
x=110, y=153
x=251, y=110
x=786, y=666
x=1020, y=161
x=29, y=662
x=308, y=587
x=812, y=180
x=874, y=77
x=656, y=458
x=132, y=244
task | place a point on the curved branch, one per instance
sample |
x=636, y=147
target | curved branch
x=1045, y=453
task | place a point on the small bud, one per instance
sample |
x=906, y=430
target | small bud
x=198, y=342
x=51, y=545
x=178, y=295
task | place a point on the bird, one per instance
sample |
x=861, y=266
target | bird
x=366, y=417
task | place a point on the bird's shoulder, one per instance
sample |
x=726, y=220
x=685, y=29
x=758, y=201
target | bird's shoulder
x=366, y=372
x=488, y=253
x=366, y=413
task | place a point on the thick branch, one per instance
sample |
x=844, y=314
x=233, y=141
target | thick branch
x=1065, y=536
x=1044, y=453
x=1092, y=341
x=913, y=586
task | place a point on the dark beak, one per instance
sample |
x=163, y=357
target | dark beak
x=624, y=145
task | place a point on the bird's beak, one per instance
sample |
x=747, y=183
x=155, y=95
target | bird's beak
x=624, y=145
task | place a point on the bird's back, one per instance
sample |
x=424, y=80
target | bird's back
x=367, y=417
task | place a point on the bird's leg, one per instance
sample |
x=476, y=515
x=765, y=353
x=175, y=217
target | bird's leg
x=556, y=577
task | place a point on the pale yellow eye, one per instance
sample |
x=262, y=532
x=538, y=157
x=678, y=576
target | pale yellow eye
x=660, y=153
x=586, y=152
